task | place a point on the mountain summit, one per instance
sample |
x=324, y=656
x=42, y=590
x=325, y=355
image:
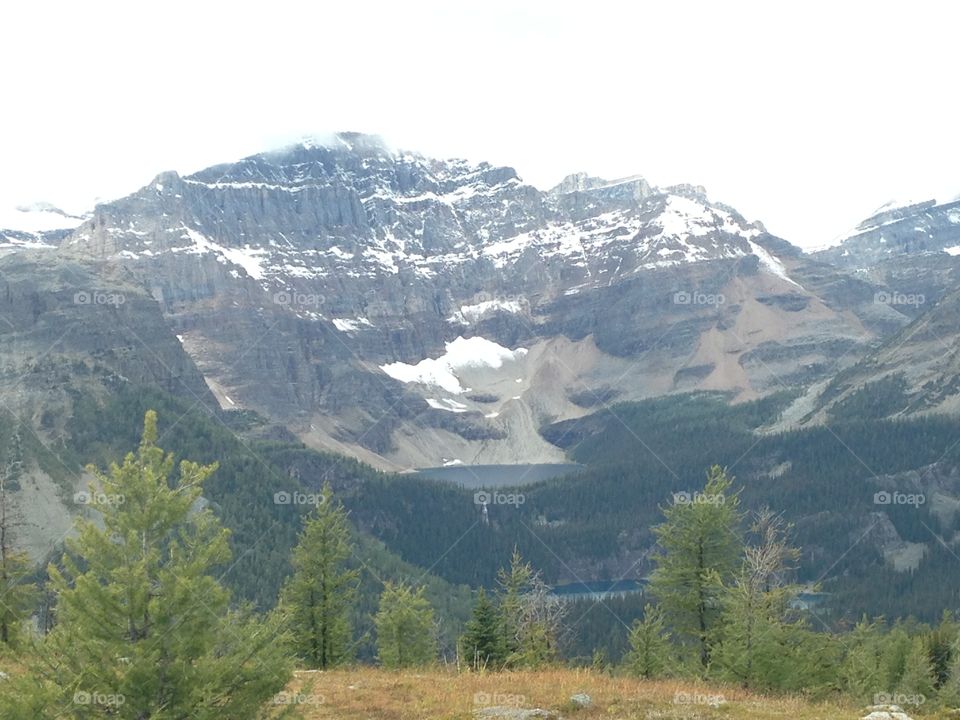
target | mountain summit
x=413, y=311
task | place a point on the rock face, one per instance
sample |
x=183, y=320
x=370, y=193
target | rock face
x=913, y=249
x=900, y=230
x=916, y=370
x=69, y=335
x=326, y=286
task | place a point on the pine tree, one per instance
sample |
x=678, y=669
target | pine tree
x=482, y=643
x=17, y=595
x=405, y=628
x=318, y=597
x=144, y=629
x=650, y=648
x=699, y=548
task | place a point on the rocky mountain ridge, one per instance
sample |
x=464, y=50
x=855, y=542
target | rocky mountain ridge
x=352, y=259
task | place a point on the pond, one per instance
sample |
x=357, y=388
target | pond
x=489, y=476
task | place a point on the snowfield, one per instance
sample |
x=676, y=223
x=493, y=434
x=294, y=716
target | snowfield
x=462, y=353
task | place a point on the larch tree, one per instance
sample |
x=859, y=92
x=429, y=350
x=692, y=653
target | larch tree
x=757, y=637
x=650, y=648
x=699, y=549
x=405, y=627
x=318, y=597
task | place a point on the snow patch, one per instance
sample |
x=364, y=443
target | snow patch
x=247, y=257
x=953, y=251
x=447, y=404
x=469, y=314
x=771, y=263
x=348, y=325
x=475, y=352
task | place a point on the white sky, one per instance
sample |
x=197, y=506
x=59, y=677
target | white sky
x=806, y=115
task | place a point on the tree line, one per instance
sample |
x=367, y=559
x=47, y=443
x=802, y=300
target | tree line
x=143, y=627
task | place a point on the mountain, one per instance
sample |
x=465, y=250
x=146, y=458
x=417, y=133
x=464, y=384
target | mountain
x=67, y=343
x=39, y=225
x=414, y=312
x=912, y=248
x=914, y=372
x=898, y=229
x=912, y=251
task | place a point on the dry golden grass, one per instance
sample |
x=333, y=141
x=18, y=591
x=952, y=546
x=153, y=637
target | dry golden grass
x=373, y=694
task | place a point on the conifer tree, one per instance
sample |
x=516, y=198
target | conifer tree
x=530, y=616
x=405, y=628
x=514, y=583
x=144, y=629
x=861, y=670
x=318, y=597
x=650, y=648
x=919, y=677
x=482, y=644
x=757, y=639
x=699, y=550
x=949, y=692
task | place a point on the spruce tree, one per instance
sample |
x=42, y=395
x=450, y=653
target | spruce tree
x=318, y=597
x=144, y=629
x=482, y=645
x=699, y=549
x=405, y=628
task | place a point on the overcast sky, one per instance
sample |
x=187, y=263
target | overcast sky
x=804, y=115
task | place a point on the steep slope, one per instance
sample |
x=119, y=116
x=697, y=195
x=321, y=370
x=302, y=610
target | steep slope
x=412, y=311
x=71, y=336
x=916, y=371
